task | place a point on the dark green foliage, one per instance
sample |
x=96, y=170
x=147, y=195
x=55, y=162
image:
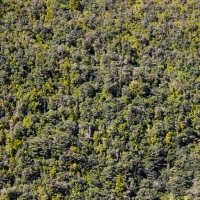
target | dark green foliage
x=99, y=99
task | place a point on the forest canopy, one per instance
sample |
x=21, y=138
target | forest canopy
x=99, y=99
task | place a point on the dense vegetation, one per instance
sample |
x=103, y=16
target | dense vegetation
x=99, y=99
